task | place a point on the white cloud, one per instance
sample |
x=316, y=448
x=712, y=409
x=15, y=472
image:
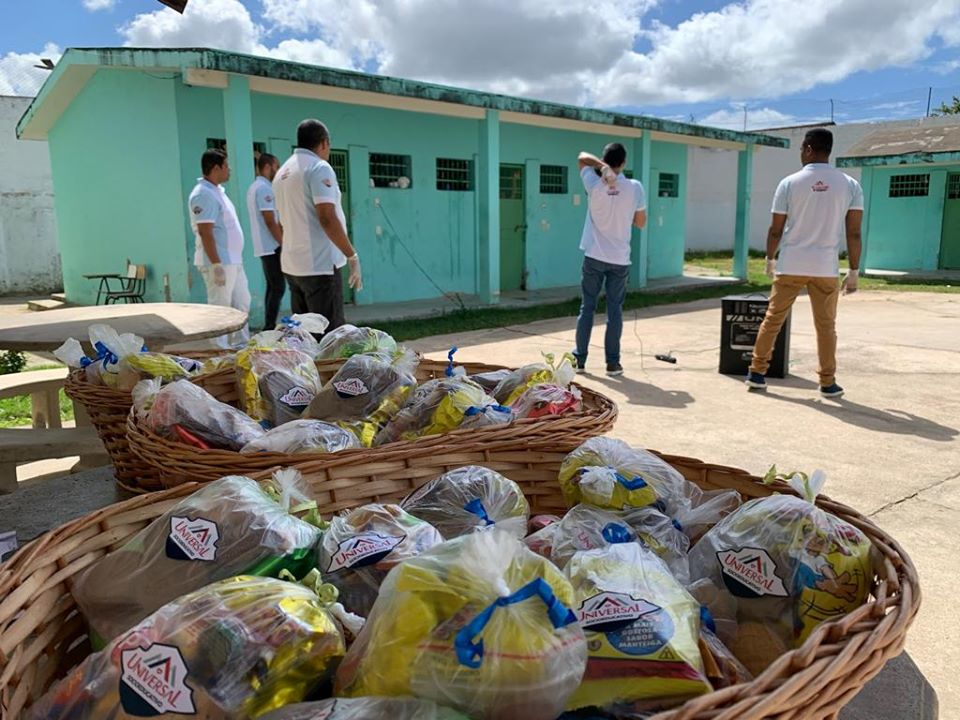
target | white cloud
x=756, y=118
x=312, y=52
x=221, y=24
x=95, y=5
x=18, y=76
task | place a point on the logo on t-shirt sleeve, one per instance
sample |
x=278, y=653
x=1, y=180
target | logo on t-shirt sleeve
x=197, y=209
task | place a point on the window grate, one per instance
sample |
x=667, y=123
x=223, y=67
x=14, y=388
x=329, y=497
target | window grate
x=553, y=179
x=338, y=161
x=511, y=182
x=669, y=185
x=953, y=187
x=454, y=174
x=909, y=186
x=628, y=174
x=390, y=171
x=221, y=144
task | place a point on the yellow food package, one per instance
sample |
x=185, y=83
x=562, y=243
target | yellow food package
x=276, y=383
x=478, y=623
x=642, y=629
x=549, y=372
x=163, y=366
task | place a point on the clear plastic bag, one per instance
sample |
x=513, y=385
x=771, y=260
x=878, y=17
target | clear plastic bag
x=349, y=340
x=298, y=331
x=233, y=650
x=478, y=623
x=490, y=380
x=276, y=383
x=181, y=404
x=470, y=499
x=546, y=400
x=441, y=405
x=642, y=629
x=662, y=535
x=552, y=372
x=584, y=527
x=360, y=547
x=609, y=473
x=709, y=508
x=161, y=365
x=786, y=565
x=303, y=436
x=720, y=664
x=366, y=708
x=112, y=349
x=229, y=527
x=366, y=393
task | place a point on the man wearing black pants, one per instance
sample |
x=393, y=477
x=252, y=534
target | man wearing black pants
x=315, y=242
x=267, y=235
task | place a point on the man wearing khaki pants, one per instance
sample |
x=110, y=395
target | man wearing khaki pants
x=813, y=210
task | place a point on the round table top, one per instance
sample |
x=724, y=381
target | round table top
x=159, y=324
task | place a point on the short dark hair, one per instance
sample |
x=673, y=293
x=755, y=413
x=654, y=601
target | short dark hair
x=820, y=140
x=615, y=155
x=212, y=158
x=265, y=160
x=311, y=133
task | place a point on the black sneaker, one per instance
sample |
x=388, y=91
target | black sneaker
x=614, y=369
x=581, y=365
x=756, y=381
x=831, y=391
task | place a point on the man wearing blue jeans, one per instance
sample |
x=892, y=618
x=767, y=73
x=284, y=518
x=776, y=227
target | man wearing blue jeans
x=615, y=204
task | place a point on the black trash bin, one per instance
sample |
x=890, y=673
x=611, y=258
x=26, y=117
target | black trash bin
x=741, y=318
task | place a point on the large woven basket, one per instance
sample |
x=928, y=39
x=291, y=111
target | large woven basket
x=177, y=462
x=42, y=635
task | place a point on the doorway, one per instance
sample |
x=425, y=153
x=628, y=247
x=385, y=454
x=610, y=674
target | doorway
x=513, y=228
x=950, y=230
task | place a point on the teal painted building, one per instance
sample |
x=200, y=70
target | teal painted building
x=493, y=205
x=911, y=187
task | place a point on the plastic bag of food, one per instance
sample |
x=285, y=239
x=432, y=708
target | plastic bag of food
x=642, y=629
x=303, y=436
x=233, y=650
x=161, y=365
x=230, y=527
x=276, y=383
x=366, y=708
x=361, y=546
x=227, y=361
x=551, y=372
x=181, y=405
x=441, y=405
x=478, y=623
x=787, y=565
x=662, y=535
x=546, y=400
x=349, y=340
x=609, y=473
x=709, y=507
x=470, y=499
x=489, y=380
x=720, y=664
x=584, y=527
x=366, y=392
x=298, y=331
x=111, y=350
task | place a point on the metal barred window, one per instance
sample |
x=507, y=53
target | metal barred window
x=511, y=182
x=390, y=171
x=553, y=179
x=953, y=187
x=454, y=174
x=909, y=186
x=669, y=185
x=338, y=161
x=221, y=144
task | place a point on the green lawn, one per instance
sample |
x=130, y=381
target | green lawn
x=15, y=411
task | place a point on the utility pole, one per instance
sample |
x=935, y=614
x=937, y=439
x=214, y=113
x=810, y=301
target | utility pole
x=831, y=110
x=929, y=98
x=744, y=117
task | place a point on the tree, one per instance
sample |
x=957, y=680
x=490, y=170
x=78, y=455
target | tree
x=952, y=109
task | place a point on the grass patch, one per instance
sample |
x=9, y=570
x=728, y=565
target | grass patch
x=15, y=411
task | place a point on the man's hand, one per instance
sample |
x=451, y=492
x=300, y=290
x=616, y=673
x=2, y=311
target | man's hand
x=771, y=269
x=219, y=274
x=355, y=281
x=850, y=282
x=608, y=175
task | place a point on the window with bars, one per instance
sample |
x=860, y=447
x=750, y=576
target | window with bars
x=953, y=187
x=669, y=185
x=909, y=186
x=392, y=171
x=221, y=144
x=454, y=174
x=338, y=161
x=553, y=179
x=628, y=174
x=511, y=182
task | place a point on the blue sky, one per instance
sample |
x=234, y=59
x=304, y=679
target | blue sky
x=700, y=59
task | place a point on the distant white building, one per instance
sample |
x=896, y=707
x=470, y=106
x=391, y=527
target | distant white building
x=712, y=188
x=29, y=255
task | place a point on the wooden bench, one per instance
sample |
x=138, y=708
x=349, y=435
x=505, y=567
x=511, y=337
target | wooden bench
x=43, y=387
x=23, y=445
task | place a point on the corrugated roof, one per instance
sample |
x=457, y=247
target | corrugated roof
x=920, y=143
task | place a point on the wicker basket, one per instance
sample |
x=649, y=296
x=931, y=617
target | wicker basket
x=178, y=462
x=42, y=635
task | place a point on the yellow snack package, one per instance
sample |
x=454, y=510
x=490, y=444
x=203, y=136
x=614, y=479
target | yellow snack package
x=478, y=623
x=642, y=629
x=161, y=365
x=549, y=372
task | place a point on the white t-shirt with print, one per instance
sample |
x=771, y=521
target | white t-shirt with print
x=209, y=204
x=303, y=182
x=815, y=200
x=260, y=198
x=609, y=224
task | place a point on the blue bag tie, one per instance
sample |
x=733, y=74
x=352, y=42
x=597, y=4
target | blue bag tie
x=615, y=533
x=474, y=410
x=449, y=370
x=85, y=361
x=635, y=483
x=475, y=507
x=676, y=524
x=289, y=322
x=104, y=353
x=470, y=653
x=706, y=619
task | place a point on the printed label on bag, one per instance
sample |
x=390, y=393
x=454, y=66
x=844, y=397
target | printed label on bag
x=610, y=610
x=750, y=573
x=351, y=388
x=361, y=550
x=297, y=397
x=153, y=681
x=192, y=539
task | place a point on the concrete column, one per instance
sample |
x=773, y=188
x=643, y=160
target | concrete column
x=365, y=217
x=642, y=147
x=533, y=218
x=741, y=234
x=488, y=195
x=866, y=182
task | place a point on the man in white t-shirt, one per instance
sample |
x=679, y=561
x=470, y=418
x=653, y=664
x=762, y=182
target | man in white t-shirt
x=813, y=211
x=219, y=242
x=315, y=242
x=615, y=205
x=267, y=235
